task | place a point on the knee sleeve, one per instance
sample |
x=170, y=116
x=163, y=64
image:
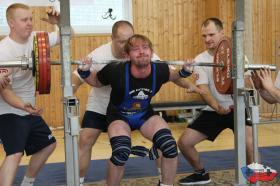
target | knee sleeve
x=164, y=141
x=121, y=148
x=139, y=151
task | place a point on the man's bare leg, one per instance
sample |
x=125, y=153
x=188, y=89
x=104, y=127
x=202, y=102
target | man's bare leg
x=168, y=165
x=9, y=168
x=115, y=173
x=38, y=159
x=88, y=137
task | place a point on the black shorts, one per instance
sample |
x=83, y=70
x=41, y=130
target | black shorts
x=94, y=120
x=24, y=133
x=211, y=123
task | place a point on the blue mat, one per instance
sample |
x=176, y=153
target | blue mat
x=54, y=173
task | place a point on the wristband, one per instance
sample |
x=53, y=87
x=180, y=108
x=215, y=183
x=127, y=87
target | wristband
x=183, y=73
x=83, y=74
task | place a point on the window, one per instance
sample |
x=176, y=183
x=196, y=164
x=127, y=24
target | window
x=86, y=16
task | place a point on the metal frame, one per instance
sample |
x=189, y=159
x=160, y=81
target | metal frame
x=238, y=86
x=71, y=109
x=72, y=166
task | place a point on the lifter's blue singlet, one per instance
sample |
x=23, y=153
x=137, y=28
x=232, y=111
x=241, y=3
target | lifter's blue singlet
x=134, y=109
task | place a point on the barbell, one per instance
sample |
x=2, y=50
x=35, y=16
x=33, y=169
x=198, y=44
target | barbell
x=40, y=64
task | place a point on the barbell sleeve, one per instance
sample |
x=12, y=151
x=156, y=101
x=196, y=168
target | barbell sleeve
x=24, y=63
x=181, y=63
x=259, y=66
x=9, y=64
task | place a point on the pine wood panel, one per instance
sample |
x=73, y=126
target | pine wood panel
x=174, y=28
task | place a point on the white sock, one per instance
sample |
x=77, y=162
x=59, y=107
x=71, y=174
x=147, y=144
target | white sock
x=159, y=174
x=82, y=180
x=161, y=184
x=27, y=181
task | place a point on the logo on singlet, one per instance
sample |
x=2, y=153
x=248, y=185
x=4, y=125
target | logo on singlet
x=141, y=95
x=50, y=136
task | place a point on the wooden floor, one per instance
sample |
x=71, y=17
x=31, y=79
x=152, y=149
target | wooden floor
x=268, y=135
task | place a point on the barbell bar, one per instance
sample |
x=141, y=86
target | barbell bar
x=40, y=64
x=259, y=67
x=26, y=63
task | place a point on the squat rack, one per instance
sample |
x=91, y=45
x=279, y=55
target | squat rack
x=71, y=104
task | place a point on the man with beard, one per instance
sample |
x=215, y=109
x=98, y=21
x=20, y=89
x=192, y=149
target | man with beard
x=133, y=84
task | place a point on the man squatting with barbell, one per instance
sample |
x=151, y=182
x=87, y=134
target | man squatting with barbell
x=133, y=85
x=94, y=120
x=22, y=129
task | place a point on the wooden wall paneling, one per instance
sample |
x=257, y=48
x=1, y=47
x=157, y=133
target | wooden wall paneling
x=166, y=30
x=171, y=30
x=211, y=8
x=179, y=30
x=137, y=16
x=226, y=14
x=150, y=22
x=178, y=49
x=155, y=26
x=160, y=29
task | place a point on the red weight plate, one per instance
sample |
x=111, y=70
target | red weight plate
x=222, y=75
x=35, y=62
x=47, y=63
x=44, y=67
x=42, y=79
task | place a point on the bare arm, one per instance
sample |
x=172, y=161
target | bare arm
x=12, y=99
x=174, y=75
x=76, y=81
x=93, y=80
x=176, y=78
x=211, y=101
x=268, y=85
x=185, y=71
x=267, y=96
x=89, y=76
x=53, y=13
x=264, y=84
x=4, y=82
x=189, y=86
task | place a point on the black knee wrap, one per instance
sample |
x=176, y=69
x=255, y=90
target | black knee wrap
x=121, y=148
x=164, y=141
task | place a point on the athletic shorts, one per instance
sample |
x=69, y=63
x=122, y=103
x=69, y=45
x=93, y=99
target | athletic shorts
x=211, y=123
x=24, y=133
x=94, y=120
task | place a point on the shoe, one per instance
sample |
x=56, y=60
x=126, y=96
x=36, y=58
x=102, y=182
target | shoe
x=195, y=179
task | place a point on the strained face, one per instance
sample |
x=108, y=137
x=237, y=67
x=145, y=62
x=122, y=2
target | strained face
x=140, y=52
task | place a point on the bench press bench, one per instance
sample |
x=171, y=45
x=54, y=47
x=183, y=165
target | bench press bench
x=193, y=106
